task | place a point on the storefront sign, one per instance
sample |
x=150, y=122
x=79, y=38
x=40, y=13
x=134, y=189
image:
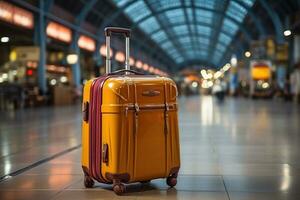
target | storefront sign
x=15, y=15
x=27, y=53
x=59, y=32
x=260, y=70
x=86, y=43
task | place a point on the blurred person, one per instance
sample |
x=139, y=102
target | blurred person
x=295, y=83
x=218, y=90
x=287, y=89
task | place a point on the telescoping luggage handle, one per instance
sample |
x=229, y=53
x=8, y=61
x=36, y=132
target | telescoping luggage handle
x=108, y=32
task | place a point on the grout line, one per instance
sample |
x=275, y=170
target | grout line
x=35, y=164
x=62, y=190
x=225, y=187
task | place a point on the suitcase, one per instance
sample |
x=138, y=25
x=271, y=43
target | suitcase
x=130, y=126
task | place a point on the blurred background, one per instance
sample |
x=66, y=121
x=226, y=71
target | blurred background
x=236, y=64
x=50, y=47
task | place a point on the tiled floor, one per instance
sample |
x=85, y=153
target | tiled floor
x=238, y=150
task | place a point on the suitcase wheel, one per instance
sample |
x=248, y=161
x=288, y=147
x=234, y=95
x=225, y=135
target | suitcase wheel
x=88, y=182
x=119, y=188
x=171, y=181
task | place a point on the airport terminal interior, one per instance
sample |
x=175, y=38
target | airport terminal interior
x=236, y=67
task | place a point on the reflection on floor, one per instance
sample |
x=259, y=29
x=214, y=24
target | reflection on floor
x=241, y=149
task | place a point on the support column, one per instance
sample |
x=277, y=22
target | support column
x=40, y=40
x=233, y=84
x=296, y=53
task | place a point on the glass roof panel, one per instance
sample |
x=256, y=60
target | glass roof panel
x=121, y=2
x=137, y=11
x=229, y=26
x=190, y=53
x=159, y=36
x=236, y=11
x=178, y=59
x=190, y=16
x=150, y=25
x=203, y=40
x=184, y=40
x=201, y=53
x=220, y=47
x=188, y=47
x=187, y=2
x=217, y=56
x=175, y=16
x=249, y=3
x=167, y=45
x=162, y=5
x=194, y=36
x=224, y=38
x=182, y=29
x=206, y=3
x=173, y=51
x=204, y=30
x=203, y=16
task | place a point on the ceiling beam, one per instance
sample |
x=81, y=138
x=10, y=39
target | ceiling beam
x=277, y=24
x=215, y=36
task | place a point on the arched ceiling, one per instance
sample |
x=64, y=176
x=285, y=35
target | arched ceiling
x=177, y=32
x=189, y=30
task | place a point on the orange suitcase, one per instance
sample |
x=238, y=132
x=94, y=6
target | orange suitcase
x=130, y=126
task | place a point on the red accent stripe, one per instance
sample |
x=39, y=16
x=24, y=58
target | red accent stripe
x=95, y=128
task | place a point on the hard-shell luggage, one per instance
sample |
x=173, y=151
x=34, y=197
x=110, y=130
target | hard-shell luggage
x=130, y=126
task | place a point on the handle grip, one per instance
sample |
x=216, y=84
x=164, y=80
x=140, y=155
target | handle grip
x=124, y=71
x=109, y=30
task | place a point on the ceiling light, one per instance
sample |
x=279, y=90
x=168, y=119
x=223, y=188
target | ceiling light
x=217, y=74
x=203, y=73
x=265, y=85
x=4, y=39
x=233, y=60
x=63, y=79
x=287, y=33
x=4, y=76
x=194, y=84
x=226, y=67
x=53, y=82
x=247, y=54
x=72, y=59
